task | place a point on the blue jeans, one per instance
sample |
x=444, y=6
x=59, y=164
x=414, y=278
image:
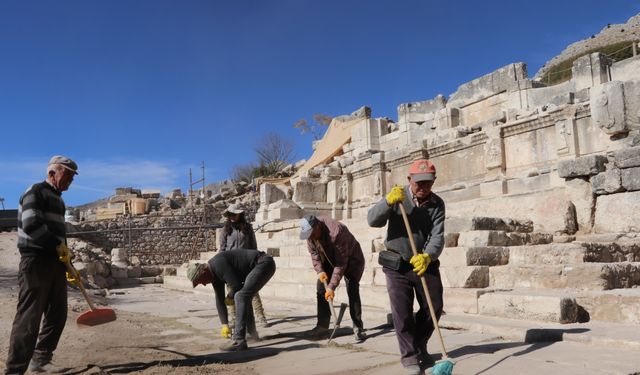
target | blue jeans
x=262, y=272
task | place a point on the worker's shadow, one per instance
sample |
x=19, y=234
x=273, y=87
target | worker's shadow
x=244, y=356
x=535, y=339
x=289, y=319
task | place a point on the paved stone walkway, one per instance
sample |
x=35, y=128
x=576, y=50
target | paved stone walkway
x=477, y=349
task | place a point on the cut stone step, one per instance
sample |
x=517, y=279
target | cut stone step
x=465, y=224
x=474, y=256
x=617, y=306
x=465, y=276
x=587, y=276
x=463, y=300
x=552, y=254
x=530, y=304
x=479, y=238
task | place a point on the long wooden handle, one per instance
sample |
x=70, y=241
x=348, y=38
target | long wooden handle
x=76, y=275
x=333, y=308
x=424, y=281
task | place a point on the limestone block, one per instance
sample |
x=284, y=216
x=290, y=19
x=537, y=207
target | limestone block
x=580, y=192
x=418, y=111
x=310, y=192
x=547, y=254
x=631, y=178
x=474, y=256
x=618, y=306
x=119, y=257
x=607, y=108
x=134, y=271
x=284, y=209
x=465, y=224
x=98, y=281
x=493, y=188
x=582, y=166
x=627, y=158
x=479, y=238
x=119, y=272
x=270, y=193
x=465, y=276
x=590, y=70
x=102, y=268
x=513, y=305
x=451, y=239
x=607, y=182
x=462, y=300
x=617, y=213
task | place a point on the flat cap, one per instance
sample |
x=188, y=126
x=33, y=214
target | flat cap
x=65, y=162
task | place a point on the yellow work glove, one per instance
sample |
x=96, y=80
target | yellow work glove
x=225, y=332
x=329, y=294
x=63, y=253
x=396, y=195
x=322, y=276
x=229, y=301
x=71, y=278
x=420, y=263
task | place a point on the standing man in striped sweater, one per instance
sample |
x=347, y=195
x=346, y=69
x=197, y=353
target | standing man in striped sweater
x=41, y=277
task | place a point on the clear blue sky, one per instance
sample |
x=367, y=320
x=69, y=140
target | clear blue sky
x=137, y=92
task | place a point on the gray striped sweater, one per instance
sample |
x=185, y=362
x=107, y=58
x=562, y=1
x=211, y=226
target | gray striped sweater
x=41, y=221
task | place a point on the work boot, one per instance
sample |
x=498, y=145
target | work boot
x=413, y=370
x=318, y=333
x=360, y=335
x=234, y=346
x=425, y=360
x=46, y=368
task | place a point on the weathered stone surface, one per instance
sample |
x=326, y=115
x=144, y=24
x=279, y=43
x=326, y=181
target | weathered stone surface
x=465, y=277
x=588, y=276
x=611, y=252
x=465, y=224
x=479, y=238
x=270, y=193
x=582, y=166
x=580, y=192
x=617, y=213
x=607, y=182
x=630, y=178
x=619, y=306
x=529, y=305
x=549, y=254
x=607, y=108
x=474, y=256
x=451, y=239
x=627, y=158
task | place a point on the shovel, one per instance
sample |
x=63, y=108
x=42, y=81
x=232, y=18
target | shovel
x=94, y=316
x=336, y=318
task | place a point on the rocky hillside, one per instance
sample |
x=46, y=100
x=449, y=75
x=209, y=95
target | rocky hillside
x=610, y=34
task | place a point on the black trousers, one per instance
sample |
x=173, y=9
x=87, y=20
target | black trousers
x=413, y=331
x=42, y=290
x=353, y=292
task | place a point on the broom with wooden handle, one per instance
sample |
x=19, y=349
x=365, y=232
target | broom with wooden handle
x=445, y=365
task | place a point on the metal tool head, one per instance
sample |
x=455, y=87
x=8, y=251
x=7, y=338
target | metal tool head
x=343, y=308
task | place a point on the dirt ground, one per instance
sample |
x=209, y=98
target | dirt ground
x=135, y=342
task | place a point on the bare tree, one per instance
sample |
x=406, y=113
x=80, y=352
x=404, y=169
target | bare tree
x=274, y=153
x=243, y=172
x=317, y=128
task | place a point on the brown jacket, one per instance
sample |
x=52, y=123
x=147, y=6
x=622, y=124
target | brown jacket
x=337, y=247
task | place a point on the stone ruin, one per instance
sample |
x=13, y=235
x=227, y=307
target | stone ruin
x=542, y=187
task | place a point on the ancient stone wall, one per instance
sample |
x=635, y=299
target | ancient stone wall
x=156, y=239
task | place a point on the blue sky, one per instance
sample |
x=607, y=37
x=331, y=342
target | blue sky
x=138, y=92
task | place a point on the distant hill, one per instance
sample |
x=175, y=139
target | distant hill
x=613, y=40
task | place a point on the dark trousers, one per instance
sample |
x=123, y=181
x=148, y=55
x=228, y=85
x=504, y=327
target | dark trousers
x=42, y=290
x=262, y=272
x=413, y=331
x=353, y=292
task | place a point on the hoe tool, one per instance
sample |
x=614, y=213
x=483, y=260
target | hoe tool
x=336, y=318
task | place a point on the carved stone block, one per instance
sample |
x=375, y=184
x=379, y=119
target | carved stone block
x=607, y=108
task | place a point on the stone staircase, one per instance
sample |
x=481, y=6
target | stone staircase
x=490, y=268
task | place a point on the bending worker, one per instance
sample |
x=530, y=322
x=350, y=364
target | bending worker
x=334, y=253
x=245, y=272
x=426, y=212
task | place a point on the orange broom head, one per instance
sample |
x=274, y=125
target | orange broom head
x=95, y=317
